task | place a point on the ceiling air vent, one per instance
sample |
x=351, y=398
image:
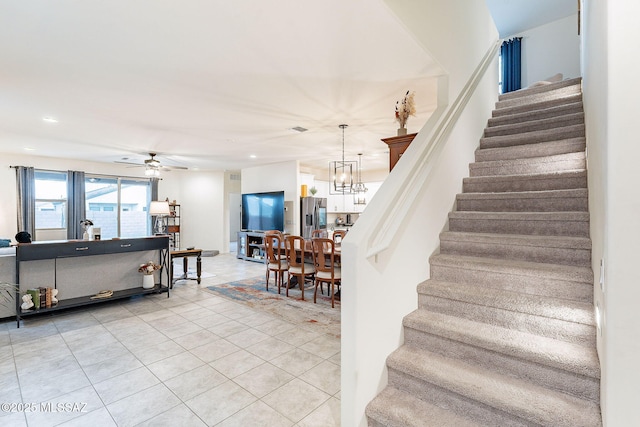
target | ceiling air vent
x=298, y=129
x=235, y=177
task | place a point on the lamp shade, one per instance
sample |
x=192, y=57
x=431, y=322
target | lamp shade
x=159, y=208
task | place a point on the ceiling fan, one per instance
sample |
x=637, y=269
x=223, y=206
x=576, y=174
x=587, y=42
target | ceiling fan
x=152, y=166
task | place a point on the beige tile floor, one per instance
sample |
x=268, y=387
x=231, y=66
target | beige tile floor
x=194, y=359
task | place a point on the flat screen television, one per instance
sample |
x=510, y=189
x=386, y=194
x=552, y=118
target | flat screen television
x=263, y=211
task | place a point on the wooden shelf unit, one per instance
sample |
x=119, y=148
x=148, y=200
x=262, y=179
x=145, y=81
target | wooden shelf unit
x=397, y=146
x=173, y=225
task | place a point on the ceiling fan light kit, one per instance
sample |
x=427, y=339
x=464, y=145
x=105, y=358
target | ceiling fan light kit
x=152, y=166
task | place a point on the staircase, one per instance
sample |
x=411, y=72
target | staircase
x=505, y=334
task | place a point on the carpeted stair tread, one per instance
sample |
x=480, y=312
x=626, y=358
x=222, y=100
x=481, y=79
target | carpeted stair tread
x=537, y=106
x=533, y=404
x=535, y=125
x=533, y=137
x=538, y=94
x=547, y=279
x=543, y=111
x=540, y=315
x=549, y=148
x=558, y=180
x=567, y=250
x=545, y=351
x=516, y=239
x=534, y=223
x=575, y=200
x=396, y=408
x=573, y=83
x=534, y=165
x=544, y=306
x=521, y=268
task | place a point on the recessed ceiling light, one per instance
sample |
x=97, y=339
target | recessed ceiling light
x=253, y=156
x=49, y=119
x=298, y=129
x=29, y=149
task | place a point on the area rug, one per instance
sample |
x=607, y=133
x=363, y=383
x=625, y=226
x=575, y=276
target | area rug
x=252, y=292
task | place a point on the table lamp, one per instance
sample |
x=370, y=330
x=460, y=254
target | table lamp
x=159, y=209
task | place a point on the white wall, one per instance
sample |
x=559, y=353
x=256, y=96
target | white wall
x=276, y=177
x=550, y=49
x=202, y=208
x=379, y=291
x=610, y=95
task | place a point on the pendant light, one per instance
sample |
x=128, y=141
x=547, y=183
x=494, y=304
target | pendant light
x=341, y=172
x=359, y=187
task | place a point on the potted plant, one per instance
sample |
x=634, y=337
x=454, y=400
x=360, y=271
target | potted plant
x=147, y=270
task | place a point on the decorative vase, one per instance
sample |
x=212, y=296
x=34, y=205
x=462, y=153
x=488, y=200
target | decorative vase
x=148, y=281
x=402, y=131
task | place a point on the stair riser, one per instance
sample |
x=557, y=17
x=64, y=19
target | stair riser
x=538, y=204
x=531, y=151
x=504, y=185
x=552, y=328
x=539, y=114
x=527, y=227
x=505, y=364
x=533, y=137
x=528, y=284
x=556, y=94
x=564, y=256
x=535, y=125
x=524, y=168
x=481, y=413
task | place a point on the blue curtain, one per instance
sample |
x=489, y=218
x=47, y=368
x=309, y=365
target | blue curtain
x=511, y=65
x=154, y=188
x=75, y=204
x=26, y=192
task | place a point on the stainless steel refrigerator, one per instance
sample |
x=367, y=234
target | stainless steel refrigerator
x=313, y=215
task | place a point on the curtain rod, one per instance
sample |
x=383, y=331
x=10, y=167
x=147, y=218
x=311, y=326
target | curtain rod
x=95, y=174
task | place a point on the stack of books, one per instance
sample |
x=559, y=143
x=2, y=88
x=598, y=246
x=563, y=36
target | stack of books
x=42, y=298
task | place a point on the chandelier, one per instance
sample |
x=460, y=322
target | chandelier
x=359, y=188
x=341, y=172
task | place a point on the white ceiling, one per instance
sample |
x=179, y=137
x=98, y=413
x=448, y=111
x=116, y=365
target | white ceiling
x=208, y=83
x=515, y=16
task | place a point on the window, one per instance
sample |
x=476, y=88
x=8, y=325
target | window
x=118, y=205
x=51, y=200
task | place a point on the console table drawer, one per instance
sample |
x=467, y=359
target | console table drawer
x=134, y=245
x=61, y=250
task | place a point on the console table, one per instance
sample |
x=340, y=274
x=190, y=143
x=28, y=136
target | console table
x=79, y=269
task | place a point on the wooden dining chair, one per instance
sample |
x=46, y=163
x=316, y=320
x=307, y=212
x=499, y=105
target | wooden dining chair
x=327, y=271
x=276, y=258
x=298, y=267
x=338, y=236
x=319, y=234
